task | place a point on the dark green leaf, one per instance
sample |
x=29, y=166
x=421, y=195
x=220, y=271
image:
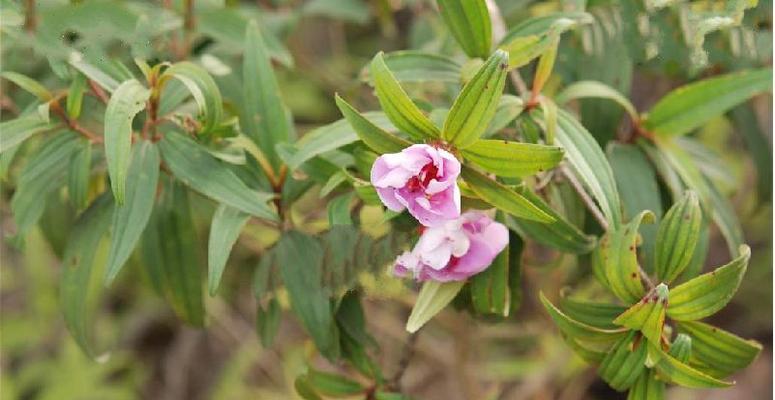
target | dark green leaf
x=130, y=219
x=624, y=363
x=332, y=385
x=78, y=174
x=268, y=322
x=679, y=373
x=224, y=231
x=128, y=100
x=339, y=210
x=579, y=330
x=599, y=315
x=647, y=387
x=195, y=167
x=758, y=146
x=718, y=352
x=490, y=289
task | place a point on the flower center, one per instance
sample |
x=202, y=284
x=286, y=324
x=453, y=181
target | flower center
x=421, y=181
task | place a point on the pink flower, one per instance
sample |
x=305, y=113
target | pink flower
x=455, y=250
x=422, y=179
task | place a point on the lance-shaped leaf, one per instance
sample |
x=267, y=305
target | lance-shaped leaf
x=75, y=96
x=401, y=110
x=264, y=119
x=706, y=294
x=28, y=84
x=595, y=89
x=195, y=167
x=590, y=164
x=331, y=137
x=333, y=385
x=339, y=210
x=560, y=233
x=502, y=197
x=475, y=106
x=647, y=315
x=579, y=330
x=130, y=219
x=600, y=315
x=677, y=237
x=717, y=352
x=128, y=100
x=647, y=387
x=624, y=363
x=758, y=146
x=469, y=22
x=171, y=254
x=78, y=174
x=620, y=259
x=639, y=191
x=224, y=231
x=433, y=297
x=490, y=291
x=203, y=89
x=80, y=286
x=14, y=132
x=418, y=66
x=93, y=72
x=509, y=108
x=690, y=106
x=513, y=159
x=268, y=321
x=374, y=137
x=300, y=259
x=674, y=371
x=534, y=36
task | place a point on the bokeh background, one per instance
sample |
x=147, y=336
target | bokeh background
x=321, y=47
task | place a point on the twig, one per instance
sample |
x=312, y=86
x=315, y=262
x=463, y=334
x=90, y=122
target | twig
x=98, y=92
x=30, y=19
x=73, y=124
x=403, y=364
x=591, y=206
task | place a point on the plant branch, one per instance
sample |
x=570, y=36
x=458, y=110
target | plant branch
x=588, y=201
x=403, y=364
x=98, y=92
x=73, y=124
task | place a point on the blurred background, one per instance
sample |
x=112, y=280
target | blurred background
x=320, y=47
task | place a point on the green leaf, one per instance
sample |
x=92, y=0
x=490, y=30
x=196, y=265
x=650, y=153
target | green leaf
x=264, y=119
x=406, y=116
x=720, y=353
x=93, y=72
x=418, y=66
x=559, y=233
x=79, y=289
x=475, y=107
x=339, y=210
x=724, y=216
x=28, y=84
x=758, y=146
x=75, y=96
x=647, y=315
x=171, y=254
x=268, y=322
x=639, y=191
x=14, y=132
x=224, y=231
x=332, y=385
x=706, y=294
x=515, y=249
x=490, y=289
x=44, y=173
x=544, y=24
x=676, y=372
x=300, y=257
x=595, y=89
x=130, y=219
x=513, y=159
x=546, y=64
x=304, y=388
x=333, y=136
x=620, y=260
x=681, y=348
x=433, y=297
x=502, y=197
x=469, y=22
x=374, y=137
x=589, y=162
x=647, y=387
x=624, y=363
x=509, y=108
x=534, y=36
x=579, y=330
x=677, y=237
x=78, y=174
x=343, y=10
x=195, y=167
x=202, y=88
x=600, y=315
x=126, y=102
x=690, y=106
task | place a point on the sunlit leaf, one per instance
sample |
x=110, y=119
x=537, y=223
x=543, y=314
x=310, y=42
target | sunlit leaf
x=374, y=137
x=433, y=297
x=469, y=22
x=502, y=197
x=513, y=159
